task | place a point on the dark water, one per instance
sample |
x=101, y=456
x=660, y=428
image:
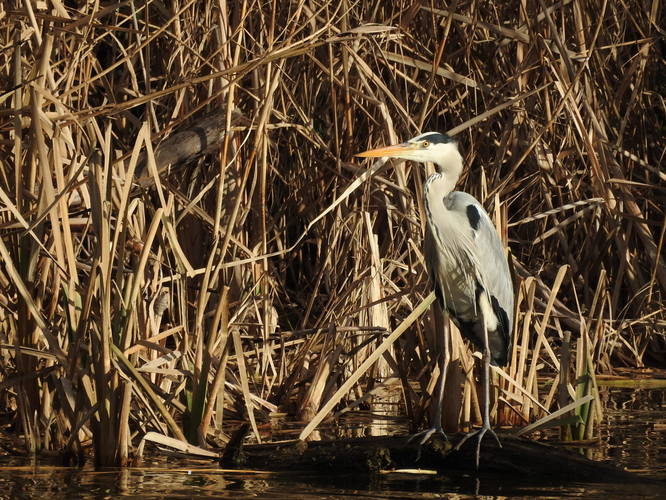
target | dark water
x=633, y=437
x=181, y=483
x=634, y=434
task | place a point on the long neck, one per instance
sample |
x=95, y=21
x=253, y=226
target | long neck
x=439, y=184
x=449, y=167
x=435, y=190
x=443, y=181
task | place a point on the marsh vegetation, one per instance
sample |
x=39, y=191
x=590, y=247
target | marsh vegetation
x=164, y=285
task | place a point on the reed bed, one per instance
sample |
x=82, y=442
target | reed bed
x=188, y=242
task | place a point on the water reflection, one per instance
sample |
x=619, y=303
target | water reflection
x=632, y=437
x=634, y=431
x=46, y=482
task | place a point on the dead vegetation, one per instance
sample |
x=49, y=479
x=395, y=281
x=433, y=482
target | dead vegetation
x=152, y=287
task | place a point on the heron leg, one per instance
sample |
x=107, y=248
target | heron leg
x=444, y=357
x=486, y=401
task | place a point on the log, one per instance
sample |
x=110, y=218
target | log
x=182, y=147
x=518, y=459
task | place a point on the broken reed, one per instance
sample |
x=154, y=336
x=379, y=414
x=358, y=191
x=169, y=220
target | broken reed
x=148, y=290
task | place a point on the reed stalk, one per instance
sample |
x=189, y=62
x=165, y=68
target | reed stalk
x=186, y=241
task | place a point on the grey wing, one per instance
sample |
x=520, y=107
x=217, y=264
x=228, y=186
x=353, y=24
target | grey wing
x=466, y=258
x=493, y=268
x=494, y=265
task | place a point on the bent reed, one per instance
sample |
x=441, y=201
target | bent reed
x=188, y=243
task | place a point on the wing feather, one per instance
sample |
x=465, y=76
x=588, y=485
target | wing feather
x=465, y=252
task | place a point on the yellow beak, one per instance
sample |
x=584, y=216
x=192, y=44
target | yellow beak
x=388, y=151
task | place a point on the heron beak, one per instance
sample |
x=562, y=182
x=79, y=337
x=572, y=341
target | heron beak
x=394, y=151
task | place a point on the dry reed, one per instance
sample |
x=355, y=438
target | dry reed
x=187, y=241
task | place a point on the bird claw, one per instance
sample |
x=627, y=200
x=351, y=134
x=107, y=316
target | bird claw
x=425, y=436
x=480, y=433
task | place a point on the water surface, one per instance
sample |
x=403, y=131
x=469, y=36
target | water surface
x=633, y=437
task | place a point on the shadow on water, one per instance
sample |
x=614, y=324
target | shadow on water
x=634, y=432
x=633, y=437
x=148, y=483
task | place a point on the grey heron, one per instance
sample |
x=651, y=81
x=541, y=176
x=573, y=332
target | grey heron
x=466, y=264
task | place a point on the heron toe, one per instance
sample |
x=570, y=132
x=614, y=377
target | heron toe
x=480, y=433
x=425, y=436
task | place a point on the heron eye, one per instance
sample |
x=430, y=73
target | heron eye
x=425, y=144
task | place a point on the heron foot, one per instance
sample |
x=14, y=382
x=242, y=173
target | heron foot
x=480, y=433
x=425, y=436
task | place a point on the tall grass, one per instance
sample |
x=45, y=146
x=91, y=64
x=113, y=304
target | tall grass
x=187, y=240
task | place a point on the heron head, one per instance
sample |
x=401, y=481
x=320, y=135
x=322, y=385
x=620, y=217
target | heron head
x=434, y=147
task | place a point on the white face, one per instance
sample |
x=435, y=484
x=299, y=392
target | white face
x=431, y=147
x=428, y=147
